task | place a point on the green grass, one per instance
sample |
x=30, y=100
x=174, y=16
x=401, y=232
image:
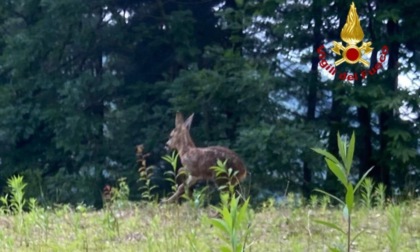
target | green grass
x=293, y=225
x=153, y=227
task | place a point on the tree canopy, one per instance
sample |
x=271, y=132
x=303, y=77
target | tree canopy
x=83, y=82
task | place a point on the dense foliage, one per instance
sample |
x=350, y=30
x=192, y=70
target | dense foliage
x=83, y=82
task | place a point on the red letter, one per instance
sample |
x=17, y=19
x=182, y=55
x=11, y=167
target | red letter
x=321, y=52
x=332, y=71
x=363, y=74
x=382, y=58
x=384, y=49
x=342, y=76
x=372, y=71
x=323, y=63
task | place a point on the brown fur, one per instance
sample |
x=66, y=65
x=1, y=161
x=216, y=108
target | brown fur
x=197, y=161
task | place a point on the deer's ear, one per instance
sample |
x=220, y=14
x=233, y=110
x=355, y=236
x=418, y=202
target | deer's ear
x=179, y=119
x=188, y=122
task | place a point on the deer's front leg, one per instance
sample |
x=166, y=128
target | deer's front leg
x=177, y=194
x=181, y=189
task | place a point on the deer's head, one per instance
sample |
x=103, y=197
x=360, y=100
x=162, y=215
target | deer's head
x=180, y=135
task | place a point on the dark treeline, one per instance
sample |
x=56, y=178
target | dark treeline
x=83, y=82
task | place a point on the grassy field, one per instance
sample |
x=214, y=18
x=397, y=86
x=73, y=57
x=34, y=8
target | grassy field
x=126, y=226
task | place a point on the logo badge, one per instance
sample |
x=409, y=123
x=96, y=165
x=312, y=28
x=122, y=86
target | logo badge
x=352, y=34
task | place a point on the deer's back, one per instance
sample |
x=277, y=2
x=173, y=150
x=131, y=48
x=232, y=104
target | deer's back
x=199, y=160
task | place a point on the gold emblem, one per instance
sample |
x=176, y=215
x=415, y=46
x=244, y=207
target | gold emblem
x=352, y=34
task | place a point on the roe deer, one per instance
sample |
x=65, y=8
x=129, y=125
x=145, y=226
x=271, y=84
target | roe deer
x=197, y=161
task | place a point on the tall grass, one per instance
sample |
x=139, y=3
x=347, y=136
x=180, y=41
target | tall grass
x=237, y=226
x=153, y=227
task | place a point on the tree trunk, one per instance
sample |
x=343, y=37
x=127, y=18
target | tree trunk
x=337, y=112
x=364, y=149
x=364, y=142
x=382, y=172
x=311, y=97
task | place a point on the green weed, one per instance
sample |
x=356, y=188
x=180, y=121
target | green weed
x=394, y=215
x=145, y=174
x=380, y=196
x=367, y=193
x=341, y=169
x=233, y=227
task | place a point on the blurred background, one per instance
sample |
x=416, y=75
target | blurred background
x=82, y=83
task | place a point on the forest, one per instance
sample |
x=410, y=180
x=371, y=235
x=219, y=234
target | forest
x=83, y=83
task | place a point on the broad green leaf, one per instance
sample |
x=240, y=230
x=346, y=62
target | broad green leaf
x=4, y=199
x=169, y=173
x=170, y=180
x=221, y=164
x=350, y=154
x=150, y=168
x=233, y=210
x=227, y=217
x=338, y=171
x=224, y=198
x=243, y=211
x=346, y=213
x=362, y=178
x=230, y=171
x=220, y=224
x=221, y=188
x=167, y=158
x=330, y=195
x=350, y=197
x=173, y=159
x=326, y=154
x=330, y=225
x=341, y=147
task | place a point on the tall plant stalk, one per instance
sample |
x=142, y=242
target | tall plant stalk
x=341, y=169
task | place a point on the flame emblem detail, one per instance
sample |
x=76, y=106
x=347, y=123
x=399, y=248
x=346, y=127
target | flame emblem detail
x=352, y=34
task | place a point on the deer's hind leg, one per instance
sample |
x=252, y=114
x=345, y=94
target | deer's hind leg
x=191, y=181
